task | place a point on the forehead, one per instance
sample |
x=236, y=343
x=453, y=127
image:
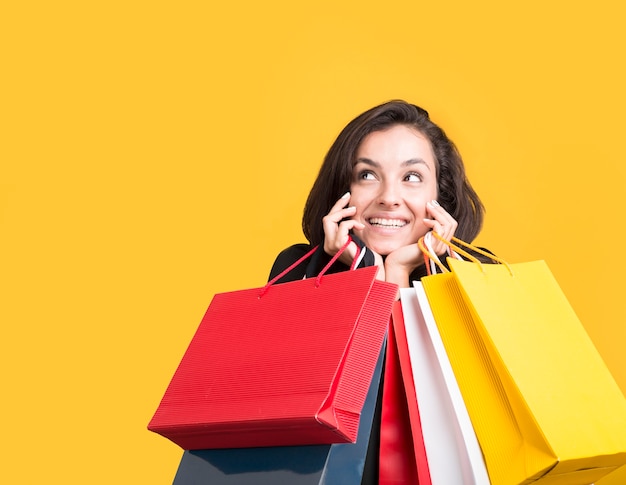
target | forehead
x=396, y=144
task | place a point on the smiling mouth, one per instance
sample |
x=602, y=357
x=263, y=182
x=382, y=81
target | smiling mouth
x=388, y=223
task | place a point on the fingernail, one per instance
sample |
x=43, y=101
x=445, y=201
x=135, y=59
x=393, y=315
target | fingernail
x=434, y=203
x=346, y=195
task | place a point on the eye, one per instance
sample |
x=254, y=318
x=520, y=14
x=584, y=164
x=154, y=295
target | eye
x=413, y=177
x=366, y=175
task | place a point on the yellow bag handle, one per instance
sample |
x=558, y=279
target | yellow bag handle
x=457, y=249
x=430, y=257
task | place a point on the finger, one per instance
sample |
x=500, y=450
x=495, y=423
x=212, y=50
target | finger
x=437, y=246
x=442, y=223
x=446, y=231
x=341, y=202
x=340, y=235
x=442, y=216
x=343, y=231
x=339, y=210
x=332, y=219
x=346, y=226
x=439, y=214
x=443, y=228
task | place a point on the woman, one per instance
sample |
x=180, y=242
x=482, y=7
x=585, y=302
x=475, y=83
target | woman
x=391, y=176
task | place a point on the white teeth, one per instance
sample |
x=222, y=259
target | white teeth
x=387, y=222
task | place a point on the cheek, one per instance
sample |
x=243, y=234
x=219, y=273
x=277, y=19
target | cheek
x=359, y=210
x=434, y=194
x=359, y=200
x=418, y=207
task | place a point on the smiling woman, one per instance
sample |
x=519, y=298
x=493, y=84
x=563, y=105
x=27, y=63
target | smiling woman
x=400, y=176
x=394, y=180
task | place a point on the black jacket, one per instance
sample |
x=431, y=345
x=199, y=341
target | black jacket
x=319, y=259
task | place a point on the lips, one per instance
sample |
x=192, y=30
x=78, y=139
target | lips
x=387, y=223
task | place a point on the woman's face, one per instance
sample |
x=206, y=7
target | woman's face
x=393, y=179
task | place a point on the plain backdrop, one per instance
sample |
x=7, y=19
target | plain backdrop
x=155, y=153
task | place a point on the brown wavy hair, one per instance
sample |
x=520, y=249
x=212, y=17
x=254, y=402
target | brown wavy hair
x=455, y=193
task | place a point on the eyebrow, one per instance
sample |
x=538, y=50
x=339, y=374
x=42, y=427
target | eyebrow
x=406, y=163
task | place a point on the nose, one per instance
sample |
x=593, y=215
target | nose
x=389, y=195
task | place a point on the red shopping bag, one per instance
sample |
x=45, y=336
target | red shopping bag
x=402, y=452
x=286, y=364
x=336, y=464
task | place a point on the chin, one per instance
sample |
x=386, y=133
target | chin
x=383, y=249
x=382, y=246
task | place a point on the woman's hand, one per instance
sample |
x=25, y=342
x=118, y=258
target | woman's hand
x=400, y=263
x=337, y=226
x=442, y=223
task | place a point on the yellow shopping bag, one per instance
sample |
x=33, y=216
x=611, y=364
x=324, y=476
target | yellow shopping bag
x=544, y=406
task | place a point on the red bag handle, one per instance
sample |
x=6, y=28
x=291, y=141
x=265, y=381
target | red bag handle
x=318, y=279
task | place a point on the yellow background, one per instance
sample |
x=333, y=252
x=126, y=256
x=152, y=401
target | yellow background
x=155, y=153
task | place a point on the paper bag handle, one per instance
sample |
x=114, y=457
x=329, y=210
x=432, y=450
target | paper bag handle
x=318, y=279
x=429, y=255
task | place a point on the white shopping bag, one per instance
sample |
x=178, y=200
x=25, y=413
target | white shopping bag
x=454, y=455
